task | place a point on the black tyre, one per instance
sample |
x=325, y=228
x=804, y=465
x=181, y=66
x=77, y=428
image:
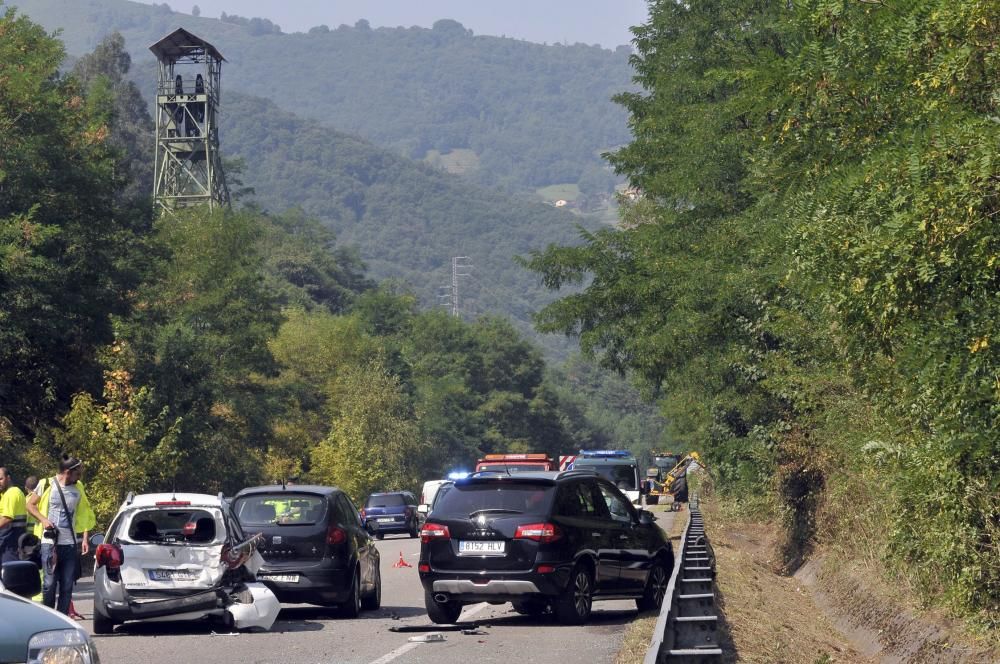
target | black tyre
x=573, y=606
x=373, y=600
x=530, y=607
x=379, y=536
x=655, y=590
x=351, y=608
x=652, y=500
x=442, y=614
x=414, y=529
x=103, y=624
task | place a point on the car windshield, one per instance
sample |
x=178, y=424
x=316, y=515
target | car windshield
x=511, y=467
x=283, y=509
x=173, y=526
x=620, y=475
x=385, y=500
x=466, y=500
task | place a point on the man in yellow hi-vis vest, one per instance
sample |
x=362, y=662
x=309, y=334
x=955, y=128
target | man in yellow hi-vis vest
x=13, y=516
x=62, y=508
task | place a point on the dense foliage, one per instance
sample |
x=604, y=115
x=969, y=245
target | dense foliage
x=811, y=277
x=532, y=114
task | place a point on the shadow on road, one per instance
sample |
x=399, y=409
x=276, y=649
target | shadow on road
x=599, y=618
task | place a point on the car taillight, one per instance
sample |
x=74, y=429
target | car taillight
x=423, y=567
x=434, y=531
x=539, y=532
x=336, y=535
x=109, y=555
x=546, y=569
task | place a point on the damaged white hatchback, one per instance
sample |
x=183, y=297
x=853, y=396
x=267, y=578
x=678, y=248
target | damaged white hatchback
x=179, y=556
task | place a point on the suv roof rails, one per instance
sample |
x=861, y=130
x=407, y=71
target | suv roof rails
x=589, y=472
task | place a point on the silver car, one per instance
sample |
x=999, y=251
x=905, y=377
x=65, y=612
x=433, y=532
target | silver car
x=179, y=556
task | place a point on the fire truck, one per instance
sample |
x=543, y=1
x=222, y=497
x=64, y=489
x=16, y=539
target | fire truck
x=513, y=463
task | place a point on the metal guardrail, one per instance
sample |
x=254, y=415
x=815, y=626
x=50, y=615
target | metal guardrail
x=687, y=630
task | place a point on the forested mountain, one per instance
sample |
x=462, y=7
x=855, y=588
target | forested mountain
x=533, y=115
x=408, y=220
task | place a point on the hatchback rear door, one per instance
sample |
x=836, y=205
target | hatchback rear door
x=294, y=525
x=172, y=548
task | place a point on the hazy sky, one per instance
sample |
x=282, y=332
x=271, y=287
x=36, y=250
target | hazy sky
x=604, y=22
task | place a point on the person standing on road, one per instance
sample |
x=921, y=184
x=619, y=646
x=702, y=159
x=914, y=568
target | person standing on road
x=62, y=508
x=13, y=516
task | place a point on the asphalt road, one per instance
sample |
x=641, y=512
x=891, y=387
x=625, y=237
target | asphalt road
x=314, y=635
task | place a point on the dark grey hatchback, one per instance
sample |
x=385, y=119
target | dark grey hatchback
x=540, y=540
x=315, y=548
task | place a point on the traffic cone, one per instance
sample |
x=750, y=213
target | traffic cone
x=401, y=562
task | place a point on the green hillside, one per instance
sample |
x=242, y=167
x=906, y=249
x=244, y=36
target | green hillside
x=534, y=115
x=407, y=219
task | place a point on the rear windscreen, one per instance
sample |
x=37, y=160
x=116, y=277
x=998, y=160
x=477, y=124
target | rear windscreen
x=173, y=526
x=283, y=509
x=464, y=501
x=385, y=500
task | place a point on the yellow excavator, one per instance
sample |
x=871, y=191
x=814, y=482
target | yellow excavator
x=672, y=482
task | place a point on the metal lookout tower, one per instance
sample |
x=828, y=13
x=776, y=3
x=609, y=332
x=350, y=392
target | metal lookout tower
x=188, y=165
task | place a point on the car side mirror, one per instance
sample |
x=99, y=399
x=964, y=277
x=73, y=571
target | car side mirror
x=646, y=518
x=21, y=578
x=96, y=540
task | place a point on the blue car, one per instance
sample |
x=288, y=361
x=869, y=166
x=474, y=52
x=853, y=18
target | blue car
x=392, y=512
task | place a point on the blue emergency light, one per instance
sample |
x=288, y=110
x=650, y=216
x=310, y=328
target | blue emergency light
x=458, y=475
x=606, y=454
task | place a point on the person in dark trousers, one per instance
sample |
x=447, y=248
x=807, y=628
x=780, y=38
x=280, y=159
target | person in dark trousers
x=62, y=508
x=13, y=516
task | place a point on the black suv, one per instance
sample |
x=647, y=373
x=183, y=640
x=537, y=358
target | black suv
x=315, y=549
x=540, y=540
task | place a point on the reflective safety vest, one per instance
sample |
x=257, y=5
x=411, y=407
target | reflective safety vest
x=84, y=518
x=12, y=506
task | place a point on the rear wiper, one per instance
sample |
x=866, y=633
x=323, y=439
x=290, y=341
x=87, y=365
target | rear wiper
x=496, y=510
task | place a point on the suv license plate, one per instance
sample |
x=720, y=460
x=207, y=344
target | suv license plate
x=172, y=575
x=280, y=578
x=481, y=548
x=386, y=519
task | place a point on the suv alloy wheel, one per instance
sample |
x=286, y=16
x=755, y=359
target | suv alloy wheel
x=573, y=606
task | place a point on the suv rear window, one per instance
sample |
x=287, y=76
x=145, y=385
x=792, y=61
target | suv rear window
x=284, y=509
x=464, y=500
x=385, y=500
x=187, y=526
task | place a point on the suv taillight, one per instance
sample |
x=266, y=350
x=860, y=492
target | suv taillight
x=336, y=535
x=434, y=531
x=539, y=532
x=109, y=555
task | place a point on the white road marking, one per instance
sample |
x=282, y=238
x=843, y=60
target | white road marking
x=467, y=613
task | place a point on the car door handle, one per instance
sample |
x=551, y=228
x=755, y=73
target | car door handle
x=595, y=534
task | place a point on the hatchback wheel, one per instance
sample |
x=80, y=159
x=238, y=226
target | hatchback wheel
x=573, y=606
x=103, y=624
x=352, y=607
x=442, y=613
x=379, y=536
x=656, y=588
x=373, y=600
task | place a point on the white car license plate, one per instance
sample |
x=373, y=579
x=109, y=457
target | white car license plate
x=281, y=578
x=172, y=575
x=481, y=548
x=386, y=519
